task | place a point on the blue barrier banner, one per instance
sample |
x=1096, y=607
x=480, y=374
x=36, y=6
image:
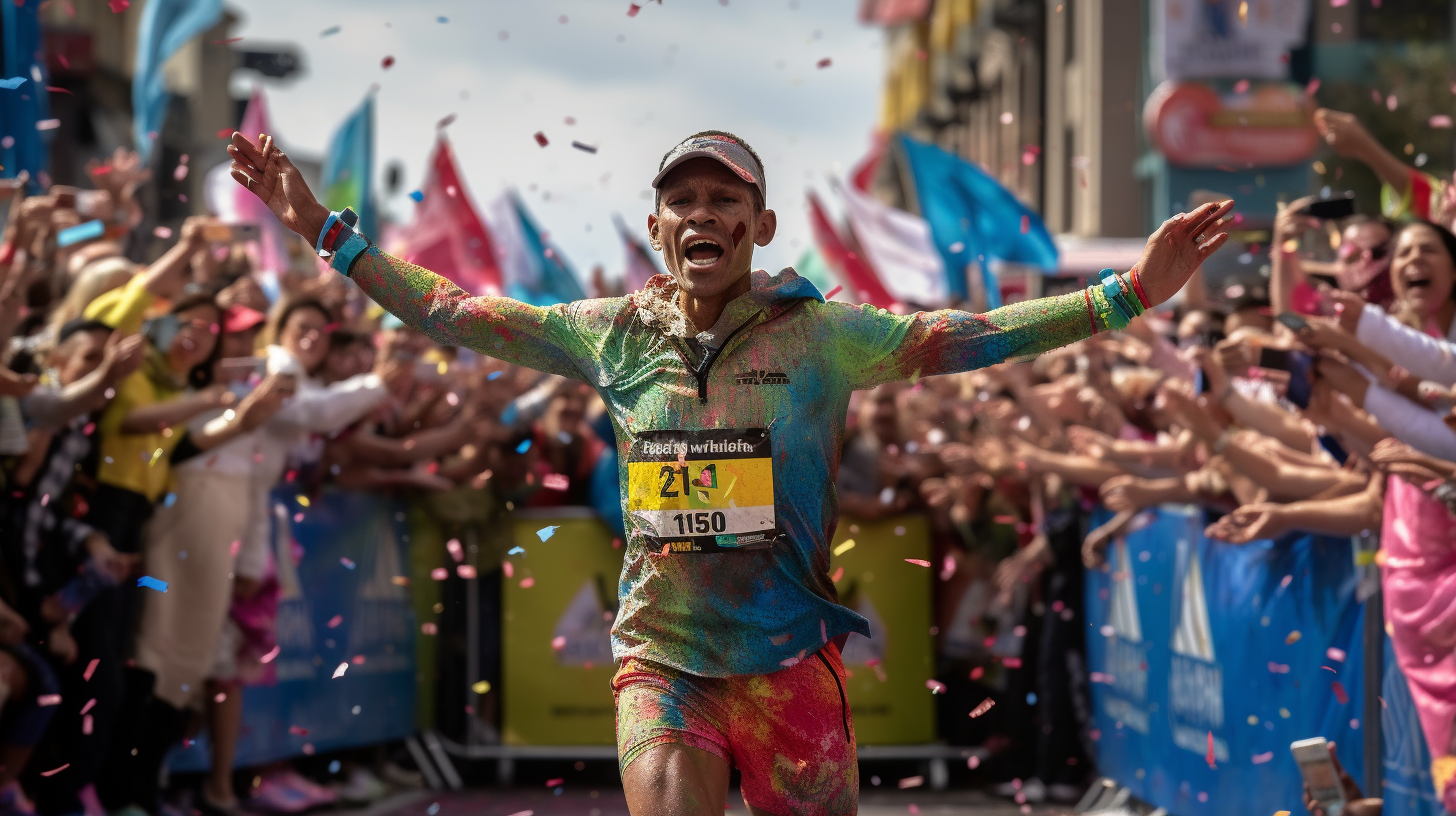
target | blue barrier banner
x=1408, y=788
x=1209, y=659
x=343, y=567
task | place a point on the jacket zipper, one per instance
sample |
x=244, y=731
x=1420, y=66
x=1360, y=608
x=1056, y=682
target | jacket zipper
x=700, y=373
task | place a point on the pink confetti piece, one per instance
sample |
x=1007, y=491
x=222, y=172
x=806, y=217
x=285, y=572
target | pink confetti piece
x=1011, y=662
x=1101, y=677
x=335, y=621
x=48, y=700
x=1337, y=655
x=541, y=139
x=832, y=292
x=935, y=686
x=54, y=771
x=429, y=629
x=90, y=669
x=1440, y=120
x=555, y=481
x=824, y=63
x=118, y=6
x=456, y=551
x=1313, y=86
x=1260, y=759
x=986, y=705
x=439, y=573
x=911, y=782
x=1241, y=87
x=551, y=783
x=90, y=704
x=1210, y=759
x=823, y=632
x=838, y=573
x=632, y=10
x=1340, y=694
x=344, y=561
x=919, y=562
x=973, y=763
x=87, y=725
x=558, y=643
x=1278, y=668
x=386, y=63
x=1286, y=581
x=1025, y=224
x=527, y=583
x=978, y=672
x=298, y=730
x=339, y=672
x=271, y=656
x=508, y=569
x=465, y=571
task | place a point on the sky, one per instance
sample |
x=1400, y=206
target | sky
x=633, y=86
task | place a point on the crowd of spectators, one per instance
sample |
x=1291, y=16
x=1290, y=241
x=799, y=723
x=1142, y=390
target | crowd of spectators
x=148, y=408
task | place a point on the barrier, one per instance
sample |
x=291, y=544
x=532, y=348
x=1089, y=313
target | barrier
x=1212, y=658
x=343, y=567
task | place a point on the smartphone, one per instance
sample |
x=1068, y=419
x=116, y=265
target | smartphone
x=1301, y=378
x=65, y=196
x=1296, y=323
x=246, y=232
x=217, y=233
x=161, y=331
x=242, y=367
x=1329, y=209
x=1318, y=771
x=1200, y=382
x=1277, y=359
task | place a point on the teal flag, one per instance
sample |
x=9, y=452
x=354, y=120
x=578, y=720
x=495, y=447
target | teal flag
x=348, y=177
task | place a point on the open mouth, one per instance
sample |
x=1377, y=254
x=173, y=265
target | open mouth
x=1417, y=283
x=703, y=252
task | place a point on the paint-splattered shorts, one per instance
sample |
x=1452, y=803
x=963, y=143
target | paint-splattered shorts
x=789, y=732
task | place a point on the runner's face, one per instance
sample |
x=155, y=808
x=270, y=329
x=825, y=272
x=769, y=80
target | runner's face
x=708, y=223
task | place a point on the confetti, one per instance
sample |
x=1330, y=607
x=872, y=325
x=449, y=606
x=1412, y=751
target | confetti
x=331, y=31
x=516, y=551
x=935, y=686
x=838, y=573
x=1292, y=637
x=551, y=783
x=465, y=571
x=558, y=643
x=12, y=83
x=844, y=546
x=978, y=672
x=541, y=139
x=1244, y=13
x=632, y=9
x=48, y=700
x=582, y=146
x=386, y=63
x=481, y=687
x=346, y=562
x=1210, y=757
x=508, y=568
x=54, y=771
x=439, y=573
x=430, y=629
x=985, y=706
x=824, y=63
x=546, y=532
x=527, y=583
x=48, y=124
x=152, y=583
x=87, y=725
x=442, y=20
x=456, y=551
x=271, y=656
x=524, y=446
x=417, y=196
x=90, y=704
x=1337, y=655
x=1241, y=87
x=335, y=621
x=118, y=6
x=1260, y=759
x=911, y=782
x=1440, y=120
x=339, y=672
x=90, y=669
x=919, y=562
x=832, y=292
x=1101, y=677
x=1011, y=662
x=1340, y=694
x=823, y=632
x=555, y=481
x=59, y=89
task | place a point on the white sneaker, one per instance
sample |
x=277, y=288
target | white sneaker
x=1030, y=791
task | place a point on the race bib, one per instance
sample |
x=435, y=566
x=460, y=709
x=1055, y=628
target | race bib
x=702, y=491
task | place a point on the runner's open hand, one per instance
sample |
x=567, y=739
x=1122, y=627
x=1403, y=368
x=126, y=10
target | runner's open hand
x=1179, y=247
x=267, y=172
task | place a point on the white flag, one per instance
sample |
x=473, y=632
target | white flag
x=899, y=246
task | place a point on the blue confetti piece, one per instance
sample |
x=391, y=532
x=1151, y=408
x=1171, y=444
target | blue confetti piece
x=331, y=31
x=442, y=19
x=546, y=532
x=417, y=196
x=494, y=375
x=516, y=551
x=152, y=583
x=170, y=500
x=81, y=232
x=523, y=447
x=12, y=83
x=335, y=766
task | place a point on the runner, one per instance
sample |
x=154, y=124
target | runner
x=728, y=391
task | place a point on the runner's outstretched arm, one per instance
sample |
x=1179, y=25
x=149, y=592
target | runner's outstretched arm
x=500, y=327
x=886, y=349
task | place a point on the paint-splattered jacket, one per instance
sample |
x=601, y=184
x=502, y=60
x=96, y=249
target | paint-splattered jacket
x=780, y=359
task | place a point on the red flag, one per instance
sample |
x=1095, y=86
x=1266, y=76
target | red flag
x=864, y=173
x=864, y=284
x=447, y=236
x=640, y=263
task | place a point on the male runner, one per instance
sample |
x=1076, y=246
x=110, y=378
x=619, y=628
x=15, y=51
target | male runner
x=728, y=391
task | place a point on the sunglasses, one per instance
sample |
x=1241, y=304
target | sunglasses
x=1375, y=253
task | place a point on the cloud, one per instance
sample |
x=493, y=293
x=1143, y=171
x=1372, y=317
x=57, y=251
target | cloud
x=634, y=86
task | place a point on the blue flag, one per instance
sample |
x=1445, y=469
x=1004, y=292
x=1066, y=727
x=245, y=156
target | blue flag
x=555, y=281
x=973, y=218
x=165, y=27
x=348, y=176
x=26, y=103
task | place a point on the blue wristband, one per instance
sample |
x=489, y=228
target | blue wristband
x=1112, y=290
x=352, y=248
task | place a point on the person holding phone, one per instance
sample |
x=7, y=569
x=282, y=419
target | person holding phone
x=1362, y=262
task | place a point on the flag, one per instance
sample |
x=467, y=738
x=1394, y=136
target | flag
x=23, y=108
x=348, y=177
x=641, y=262
x=166, y=26
x=973, y=218
x=556, y=282
x=899, y=246
x=446, y=235
x=811, y=265
x=863, y=284
x=235, y=204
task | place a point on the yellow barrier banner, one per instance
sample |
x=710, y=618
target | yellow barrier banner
x=556, y=611
x=886, y=689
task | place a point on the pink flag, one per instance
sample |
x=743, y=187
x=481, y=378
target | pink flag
x=640, y=263
x=447, y=236
x=235, y=205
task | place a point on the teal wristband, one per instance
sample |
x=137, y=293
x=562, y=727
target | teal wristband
x=344, y=256
x=1112, y=290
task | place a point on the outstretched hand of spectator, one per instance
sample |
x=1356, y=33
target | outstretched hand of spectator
x=1179, y=247
x=1249, y=523
x=268, y=174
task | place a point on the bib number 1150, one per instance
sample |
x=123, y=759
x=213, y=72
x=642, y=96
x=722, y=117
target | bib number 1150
x=703, y=522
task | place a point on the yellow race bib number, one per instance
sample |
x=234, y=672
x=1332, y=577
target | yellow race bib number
x=702, y=491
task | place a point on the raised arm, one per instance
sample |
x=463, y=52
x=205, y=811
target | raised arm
x=543, y=339
x=884, y=348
